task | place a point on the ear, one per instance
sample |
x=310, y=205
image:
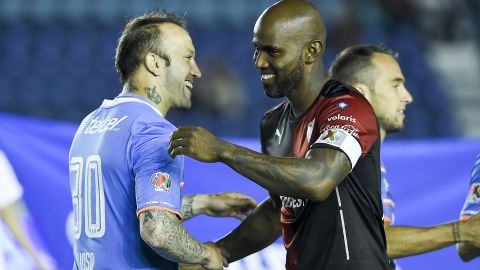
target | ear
x=314, y=50
x=154, y=64
x=364, y=89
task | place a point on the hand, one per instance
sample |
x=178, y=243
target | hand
x=229, y=204
x=197, y=143
x=216, y=257
x=470, y=230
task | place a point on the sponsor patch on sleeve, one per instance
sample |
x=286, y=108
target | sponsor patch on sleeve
x=161, y=181
x=342, y=139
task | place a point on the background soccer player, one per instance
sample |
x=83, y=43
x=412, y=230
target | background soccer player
x=120, y=168
x=374, y=71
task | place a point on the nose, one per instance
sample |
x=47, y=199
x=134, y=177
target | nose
x=407, y=97
x=260, y=61
x=195, y=70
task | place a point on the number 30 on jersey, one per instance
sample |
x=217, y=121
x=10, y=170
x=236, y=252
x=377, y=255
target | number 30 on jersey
x=88, y=197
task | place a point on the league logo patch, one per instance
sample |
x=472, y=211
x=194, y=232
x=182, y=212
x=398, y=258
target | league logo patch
x=161, y=181
x=330, y=136
x=474, y=194
x=343, y=105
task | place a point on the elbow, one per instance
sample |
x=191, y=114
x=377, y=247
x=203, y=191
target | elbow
x=319, y=191
x=318, y=195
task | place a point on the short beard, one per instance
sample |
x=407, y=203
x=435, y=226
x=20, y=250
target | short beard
x=290, y=83
x=389, y=126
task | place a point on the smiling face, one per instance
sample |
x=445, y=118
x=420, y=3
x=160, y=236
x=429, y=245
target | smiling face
x=279, y=60
x=183, y=69
x=389, y=96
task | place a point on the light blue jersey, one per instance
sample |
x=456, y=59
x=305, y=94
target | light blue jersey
x=120, y=167
x=387, y=198
x=472, y=203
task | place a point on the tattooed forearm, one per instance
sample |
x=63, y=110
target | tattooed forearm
x=164, y=233
x=316, y=175
x=153, y=95
x=187, y=207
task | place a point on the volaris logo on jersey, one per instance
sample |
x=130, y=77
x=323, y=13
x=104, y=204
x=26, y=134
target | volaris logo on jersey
x=161, y=181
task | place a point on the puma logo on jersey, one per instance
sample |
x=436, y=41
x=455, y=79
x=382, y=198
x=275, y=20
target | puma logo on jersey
x=102, y=125
x=278, y=134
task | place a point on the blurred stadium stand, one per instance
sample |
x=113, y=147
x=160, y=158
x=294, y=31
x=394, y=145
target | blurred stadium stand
x=56, y=59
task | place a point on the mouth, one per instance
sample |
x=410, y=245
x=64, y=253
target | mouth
x=189, y=85
x=268, y=78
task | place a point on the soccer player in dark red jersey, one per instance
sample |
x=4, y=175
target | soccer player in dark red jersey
x=320, y=157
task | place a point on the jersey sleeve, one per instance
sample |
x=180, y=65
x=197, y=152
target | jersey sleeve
x=347, y=123
x=387, y=199
x=10, y=190
x=472, y=203
x=158, y=177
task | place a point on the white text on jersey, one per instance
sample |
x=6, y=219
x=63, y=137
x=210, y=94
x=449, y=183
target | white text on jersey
x=100, y=126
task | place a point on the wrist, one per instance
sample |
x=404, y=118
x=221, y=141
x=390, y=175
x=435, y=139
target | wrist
x=464, y=233
x=200, y=203
x=206, y=255
x=226, y=153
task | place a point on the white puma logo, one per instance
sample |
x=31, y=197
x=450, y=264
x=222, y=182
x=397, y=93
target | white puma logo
x=279, y=135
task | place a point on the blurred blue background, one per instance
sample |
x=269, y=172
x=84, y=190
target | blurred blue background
x=56, y=62
x=56, y=57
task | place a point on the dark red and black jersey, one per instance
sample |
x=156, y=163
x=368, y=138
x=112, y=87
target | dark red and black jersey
x=345, y=231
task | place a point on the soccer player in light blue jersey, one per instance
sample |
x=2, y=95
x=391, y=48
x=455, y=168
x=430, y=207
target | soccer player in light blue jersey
x=374, y=71
x=126, y=189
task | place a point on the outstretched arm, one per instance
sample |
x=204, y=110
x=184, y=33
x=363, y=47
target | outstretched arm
x=164, y=233
x=313, y=177
x=258, y=231
x=403, y=241
x=227, y=204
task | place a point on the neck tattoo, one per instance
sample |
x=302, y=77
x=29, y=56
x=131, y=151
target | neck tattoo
x=153, y=95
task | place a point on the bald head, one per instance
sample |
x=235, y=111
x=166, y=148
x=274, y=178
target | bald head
x=294, y=18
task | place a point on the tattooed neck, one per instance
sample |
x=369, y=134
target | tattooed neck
x=153, y=95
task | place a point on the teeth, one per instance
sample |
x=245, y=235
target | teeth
x=189, y=85
x=267, y=76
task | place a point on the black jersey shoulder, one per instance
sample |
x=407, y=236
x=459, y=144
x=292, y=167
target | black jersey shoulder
x=333, y=88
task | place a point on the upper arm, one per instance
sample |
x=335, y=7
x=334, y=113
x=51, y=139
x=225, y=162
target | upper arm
x=157, y=176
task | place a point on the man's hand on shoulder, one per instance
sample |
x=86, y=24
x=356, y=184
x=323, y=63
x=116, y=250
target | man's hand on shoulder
x=196, y=142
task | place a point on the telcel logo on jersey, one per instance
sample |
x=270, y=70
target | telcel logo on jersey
x=100, y=126
x=161, y=181
x=342, y=117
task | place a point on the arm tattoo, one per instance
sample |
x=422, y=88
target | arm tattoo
x=153, y=95
x=187, y=207
x=166, y=235
x=290, y=176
